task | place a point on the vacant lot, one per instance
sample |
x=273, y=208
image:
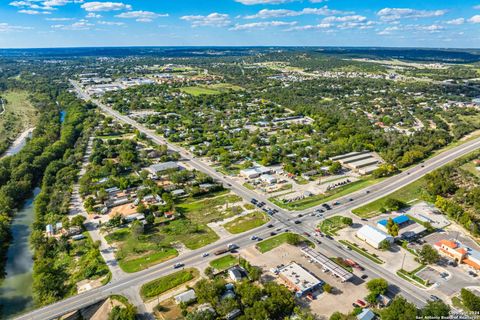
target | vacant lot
x=406, y=194
x=247, y=222
x=210, y=209
x=333, y=224
x=224, y=262
x=161, y=285
x=135, y=254
x=197, y=91
x=19, y=115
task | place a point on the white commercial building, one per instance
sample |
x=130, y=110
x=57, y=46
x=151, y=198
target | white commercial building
x=373, y=236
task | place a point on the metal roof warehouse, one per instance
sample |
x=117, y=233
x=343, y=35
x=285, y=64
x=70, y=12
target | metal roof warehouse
x=328, y=264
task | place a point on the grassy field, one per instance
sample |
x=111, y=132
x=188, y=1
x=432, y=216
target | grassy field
x=208, y=210
x=247, y=222
x=19, y=115
x=472, y=168
x=211, y=89
x=275, y=241
x=146, y=260
x=329, y=196
x=406, y=194
x=331, y=225
x=197, y=91
x=224, y=262
x=161, y=285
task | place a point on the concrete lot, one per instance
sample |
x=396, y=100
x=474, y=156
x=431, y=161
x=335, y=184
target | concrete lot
x=423, y=210
x=394, y=258
x=325, y=304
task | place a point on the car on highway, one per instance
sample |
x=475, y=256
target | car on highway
x=273, y=233
x=259, y=239
x=205, y=254
x=368, y=191
x=350, y=199
x=318, y=241
x=253, y=238
x=472, y=274
x=329, y=237
x=96, y=217
x=178, y=265
x=364, y=219
x=300, y=215
x=270, y=225
x=336, y=203
x=307, y=234
x=297, y=221
x=254, y=201
x=364, y=276
x=434, y=298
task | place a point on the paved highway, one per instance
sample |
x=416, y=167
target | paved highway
x=283, y=218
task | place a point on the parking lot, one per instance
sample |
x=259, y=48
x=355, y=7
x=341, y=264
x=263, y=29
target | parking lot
x=325, y=304
x=433, y=275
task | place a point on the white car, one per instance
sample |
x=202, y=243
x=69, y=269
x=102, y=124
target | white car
x=206, y=254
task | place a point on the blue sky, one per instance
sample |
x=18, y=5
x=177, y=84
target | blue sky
x=72, y=23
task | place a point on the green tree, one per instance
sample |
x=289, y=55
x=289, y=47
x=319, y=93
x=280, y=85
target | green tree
x=435, y=309
x=399, y=309
x=327, y=288
x=470, y=300
x=428, y=254
x=377, y=286
x=384, y=245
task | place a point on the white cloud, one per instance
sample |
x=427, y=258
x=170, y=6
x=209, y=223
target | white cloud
x=80, y=25
x=111, y=23
x=96, y=6
x=352, y=18
x=5, y=27
x=475, y=19
x=412, y=28
x=310, y=27
x=262, y=25
x=33, y=12
x=141, y=16
x=212, y=20
x=280, y=13
x=59, y=19
x=93, y=15
x=458, y=21
x=59, y=3
x=389, y=14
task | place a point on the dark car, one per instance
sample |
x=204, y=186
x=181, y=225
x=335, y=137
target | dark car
x=273, y=233
x=355, y=305
x=364, y=276
x=434, y=298
x=329, y=237
x=368, y=191
x=300, y=215
x=350, y=199
x=318, y=241
x=270, y=226
x=307, y=234
x=297, y=221
x=178, y=265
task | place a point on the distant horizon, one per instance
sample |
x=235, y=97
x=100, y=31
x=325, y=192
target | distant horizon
x=242, y=46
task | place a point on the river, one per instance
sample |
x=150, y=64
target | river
x=16, y=289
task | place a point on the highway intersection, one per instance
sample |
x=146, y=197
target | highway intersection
x=283, y=219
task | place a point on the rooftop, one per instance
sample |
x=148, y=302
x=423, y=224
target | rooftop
x=299, y=276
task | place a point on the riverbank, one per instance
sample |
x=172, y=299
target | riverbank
x=19, y=142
